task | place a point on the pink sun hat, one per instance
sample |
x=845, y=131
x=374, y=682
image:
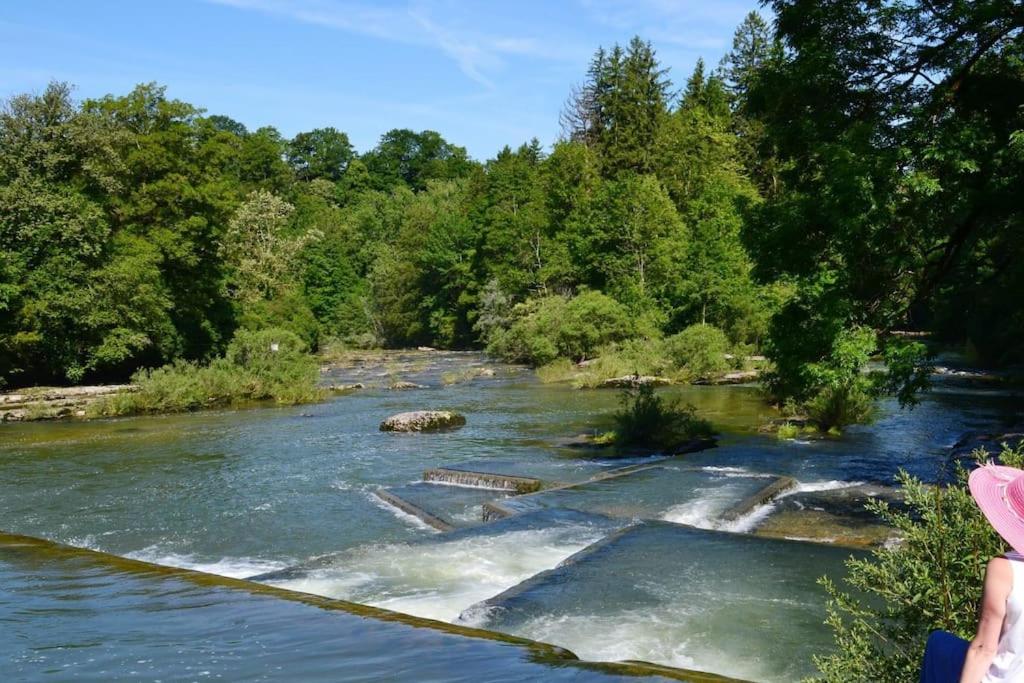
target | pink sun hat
x=999, y=492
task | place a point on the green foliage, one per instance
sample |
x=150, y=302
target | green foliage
x=788, y=431
x=552, y=327
x=646, y=419
x=699, y=350
x=320, y=153
x=404, y=156
x=620, y=108
x=257, y=250
x=271, y=364
x=890, y=203
x=844, y=392
x=814, y=185
x=630, y=239
x=932, y=579
x=619, y=359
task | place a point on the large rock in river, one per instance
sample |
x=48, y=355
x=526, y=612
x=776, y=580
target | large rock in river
x=423, y=421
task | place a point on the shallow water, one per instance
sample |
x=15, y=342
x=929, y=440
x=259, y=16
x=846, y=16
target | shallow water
x=250, y=492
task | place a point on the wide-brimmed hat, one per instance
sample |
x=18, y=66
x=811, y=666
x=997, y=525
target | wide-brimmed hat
x=999, y=492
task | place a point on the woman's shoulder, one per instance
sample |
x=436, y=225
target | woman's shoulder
x=1002, y=565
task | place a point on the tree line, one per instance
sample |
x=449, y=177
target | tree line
x=851, y=170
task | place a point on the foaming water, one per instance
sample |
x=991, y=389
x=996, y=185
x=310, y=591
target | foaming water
x=727, y=471
x=440, y=580
x=234, y=567
x=815, y=486
x=705, y=511
x=645, y=635
x=680, y=596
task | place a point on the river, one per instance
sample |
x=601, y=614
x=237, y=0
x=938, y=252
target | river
x=287, y=494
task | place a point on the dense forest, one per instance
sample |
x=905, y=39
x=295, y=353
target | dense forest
x=852, y=169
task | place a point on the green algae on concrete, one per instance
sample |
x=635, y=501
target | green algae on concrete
x=488, y=480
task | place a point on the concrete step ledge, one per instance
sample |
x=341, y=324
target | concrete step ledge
x=482, y=480
x=765, y=495
x=416, y=511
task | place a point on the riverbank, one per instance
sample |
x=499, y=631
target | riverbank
x=52, y=403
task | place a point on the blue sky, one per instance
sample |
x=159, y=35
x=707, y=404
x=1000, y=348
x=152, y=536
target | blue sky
x=483, y=74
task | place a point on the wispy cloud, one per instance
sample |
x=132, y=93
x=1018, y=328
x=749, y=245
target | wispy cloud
x=469, y=56
x=475, y=54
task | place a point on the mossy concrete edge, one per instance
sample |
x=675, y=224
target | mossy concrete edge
x=540, y=652
x=763, y=496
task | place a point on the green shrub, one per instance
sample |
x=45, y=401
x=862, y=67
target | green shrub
x=844, y=394
x=788, y=431
x=647, y=419
x=556, y=327
x=630, y=357
x=931, y=579
x=265, y=365
x=836, y=407
x=699, y=350
x=558, y=370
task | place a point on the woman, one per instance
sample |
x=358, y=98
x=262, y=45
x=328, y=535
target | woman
x=996, y=655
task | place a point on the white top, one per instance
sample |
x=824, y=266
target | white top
x=1008, y=665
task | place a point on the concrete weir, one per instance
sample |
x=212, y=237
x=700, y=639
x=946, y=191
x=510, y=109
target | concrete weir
x=542, y=653
x=495, y=510
x=483, y=480
x=773, y=490
x=414, y=510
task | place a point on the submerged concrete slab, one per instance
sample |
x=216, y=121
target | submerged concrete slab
x=835, y=515
x=762, y=496
x=409, y=508
x=642, y=491
x=460, y=506
x=731, y=603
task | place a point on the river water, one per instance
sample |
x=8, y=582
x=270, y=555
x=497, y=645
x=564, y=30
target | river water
x=287, y=494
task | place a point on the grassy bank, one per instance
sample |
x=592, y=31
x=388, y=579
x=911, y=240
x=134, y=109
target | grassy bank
x=269, y=365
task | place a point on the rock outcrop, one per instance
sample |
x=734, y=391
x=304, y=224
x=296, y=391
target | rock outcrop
x=737, y=377
x=51, y=403
x=423, y=421
x=345, y=388
x=405, y=386
x=629, y=381
x=992, y=444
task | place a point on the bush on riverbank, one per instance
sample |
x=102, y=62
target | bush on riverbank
x=932, y=579
x=698, y=352
x=631, y=357
x=269, y=364
x=559, y=327
x=648, y=420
